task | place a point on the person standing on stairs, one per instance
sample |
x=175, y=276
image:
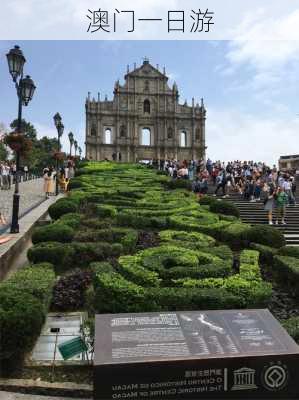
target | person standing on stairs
x=270, y=204
x=281, y=203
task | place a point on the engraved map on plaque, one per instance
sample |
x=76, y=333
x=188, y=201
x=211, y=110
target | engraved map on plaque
x=187, y=334
x=231, y=354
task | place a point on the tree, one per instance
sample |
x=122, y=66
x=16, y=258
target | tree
x=3, y=149
x=27, y=129
x=71, y=139
x=76, y=147
x=43, y=149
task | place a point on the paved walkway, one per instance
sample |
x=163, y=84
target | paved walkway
x=31, y=194
x=17, y=396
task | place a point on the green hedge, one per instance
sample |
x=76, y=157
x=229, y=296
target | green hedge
x=267, y=253
x=61, y=207
x=250, y=293
x=174, y=184
x=131, y=269
x=115, y=294
x=290, y=251
x=207, y=200
x=106, y=211
x=125, y=236
x=266, y=235
x=286, y=270
x=21, y=318
x=56, y=253
x=292, y=326
x=72, y=255
x=101, y=267
x=225, y=208
x=57, y=232
x=172, y=299
x=236, y=235
x=37, y=280
x=192, y=240
x=24, y=301
x=73, y=220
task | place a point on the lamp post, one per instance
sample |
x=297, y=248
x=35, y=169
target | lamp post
x=60, y=128
x=25, y=89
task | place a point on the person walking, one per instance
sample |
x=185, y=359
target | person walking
x=281, y=203
x=269, y=203
x=47, y=178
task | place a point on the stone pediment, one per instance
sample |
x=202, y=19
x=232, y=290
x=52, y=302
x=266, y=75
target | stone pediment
x=146, y=71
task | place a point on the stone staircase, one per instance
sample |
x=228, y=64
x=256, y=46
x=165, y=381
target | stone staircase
x=254, y=213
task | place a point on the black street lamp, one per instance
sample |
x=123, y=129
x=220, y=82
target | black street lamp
x=25, y=89
x=60, y=128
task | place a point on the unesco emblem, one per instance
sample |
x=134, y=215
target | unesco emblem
x=275, y=376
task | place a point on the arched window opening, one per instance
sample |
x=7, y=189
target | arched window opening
x=146, y=137
x=169, y=133
x=183, y=139
x=122, y=131
x=108, y=136
x=147, y=107
x=93, y=130
x=146, y=86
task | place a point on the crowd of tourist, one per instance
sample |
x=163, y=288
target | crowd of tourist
x=254, y=181
x=64, y=174
x=8, y=174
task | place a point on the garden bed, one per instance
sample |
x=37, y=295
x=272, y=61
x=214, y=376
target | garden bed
x=126, y=240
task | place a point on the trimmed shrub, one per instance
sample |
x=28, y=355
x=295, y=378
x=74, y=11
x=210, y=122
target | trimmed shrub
x=115, y=294
x=224, y=252
x=57, y=232
x=126, y=237
x=72, y=219
x=192, y=240
x=101, y=268
x=106, y=211
x=172, y=299
x=266, y=235
x=21, y=318
x=225, y=208
x=292, y=327
x=235, y=234
x=75, y=183
x=267, y=253
x=286, y=270
x=86, y=253
x=189, y=223
x=61, y=207
x=37, y=280
x=290, y=251
x=58, y=254
x=178, y=184
x=207, y=200
x=131, y=269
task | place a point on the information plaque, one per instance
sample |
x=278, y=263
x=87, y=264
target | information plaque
x=232, y=354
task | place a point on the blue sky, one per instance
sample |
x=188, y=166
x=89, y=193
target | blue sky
x=250, y=88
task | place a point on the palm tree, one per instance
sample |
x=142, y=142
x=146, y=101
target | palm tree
x=76, y=147
x=71, y=139
x=80, y=151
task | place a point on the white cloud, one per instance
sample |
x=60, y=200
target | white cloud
x=269, y=62
x=233, y=135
